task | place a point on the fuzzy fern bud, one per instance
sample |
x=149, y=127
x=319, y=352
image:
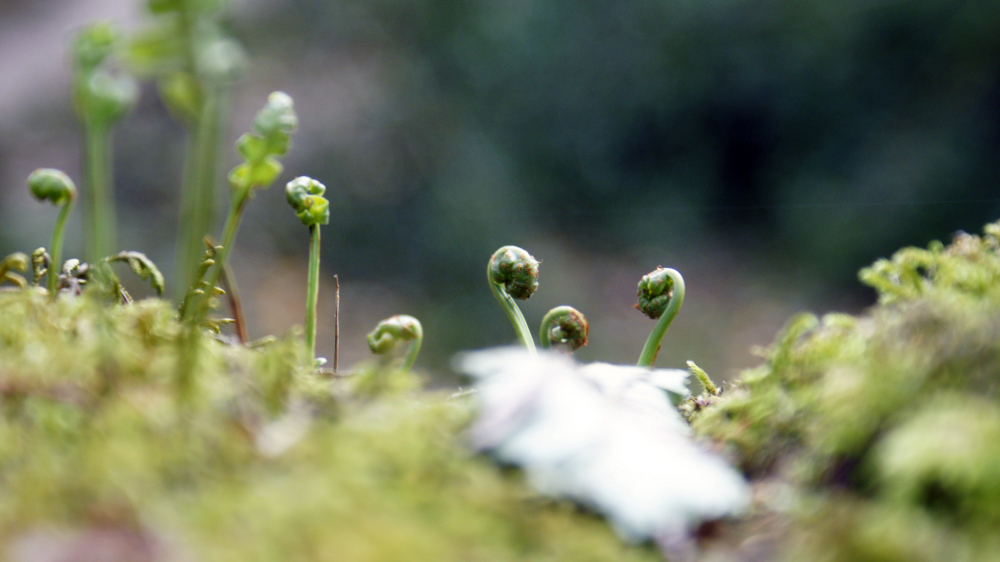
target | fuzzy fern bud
x=49, y=184
x=305, y=195
x=564, y=325
x=393, y=330
x=656, y=289
x=515, y=270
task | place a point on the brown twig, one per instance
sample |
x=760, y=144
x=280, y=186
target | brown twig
x=336, y=323
x=235, y=304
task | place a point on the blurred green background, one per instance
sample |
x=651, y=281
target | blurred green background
x=765, y=149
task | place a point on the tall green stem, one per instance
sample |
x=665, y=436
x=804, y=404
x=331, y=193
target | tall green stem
x=57, y=240
x=198, y=192
x=312, y=295
x=514, y=314
x=101, y=206
x=673, y=293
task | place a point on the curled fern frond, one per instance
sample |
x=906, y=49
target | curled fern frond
x=54, y=186
x=141, y=266
x=17, y=261
x=564, y=325
x=393, y=330
x=48, y=184
x=513, y=274
x=305, y=195
x=661, y=294
x=515, y=270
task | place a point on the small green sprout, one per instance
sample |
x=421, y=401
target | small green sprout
x=513, y=274
x=564, y=325
x=305, y=195
x=48, y=184
x=661, y=294
x=270, y=138
x=194, y=62
x=393, y=330
x=101, y=98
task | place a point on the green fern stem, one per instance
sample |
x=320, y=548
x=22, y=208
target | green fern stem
x=101, y=236
x=57, y=241
x=514, y=314
x=198, y=191
x=312, y=294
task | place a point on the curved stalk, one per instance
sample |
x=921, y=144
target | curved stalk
x=513, y=273
x=56, y=187
x=57, y=240
x=565, y=325
x=393, y=330
x=661, y=294
x=312, y=295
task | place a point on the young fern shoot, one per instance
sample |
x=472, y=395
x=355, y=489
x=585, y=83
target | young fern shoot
x=564, y=325
x=393, y=330
x=54, y=186
x=661, y=294
x=272, y=128
x=195, y=62
x=305, y=195
x=513, y=274
x=101, y=99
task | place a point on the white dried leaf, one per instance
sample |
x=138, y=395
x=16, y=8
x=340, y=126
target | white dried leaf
x=604, y=435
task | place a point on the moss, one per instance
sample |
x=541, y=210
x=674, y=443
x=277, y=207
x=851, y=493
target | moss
x=94, y=434
x=887, y=424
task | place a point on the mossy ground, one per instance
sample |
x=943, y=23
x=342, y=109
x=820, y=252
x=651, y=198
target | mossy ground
x=885, y=425
x=252, y=459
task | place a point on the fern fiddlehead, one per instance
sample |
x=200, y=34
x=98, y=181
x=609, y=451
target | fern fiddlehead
x=661, y=294
x=564, y=325
x=101, y=98
x=394, y=330
x=48, y=184
x=513, y=274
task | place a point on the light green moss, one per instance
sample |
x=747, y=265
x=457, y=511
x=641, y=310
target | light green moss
x=93, y=434
x=888, y=423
